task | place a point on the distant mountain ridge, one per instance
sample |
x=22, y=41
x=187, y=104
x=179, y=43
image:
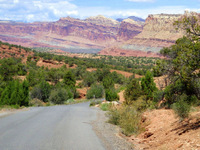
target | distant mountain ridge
x=131, y=17
x=69, y=33
x=97, y=33
x=158, y=32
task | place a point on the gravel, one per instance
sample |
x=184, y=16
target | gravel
x=109, y=134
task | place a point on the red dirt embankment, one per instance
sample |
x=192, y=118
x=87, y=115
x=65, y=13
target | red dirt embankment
x=11, y=51
x=165, y=132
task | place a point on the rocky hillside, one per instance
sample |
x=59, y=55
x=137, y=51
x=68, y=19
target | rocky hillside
x=101, y=20
x=126, y=37
x=161, y=27
x=158, y=32
x=69, y=33
x=8, y=50
x=128, y=29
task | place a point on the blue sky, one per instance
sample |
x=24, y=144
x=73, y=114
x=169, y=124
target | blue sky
x=52, y=10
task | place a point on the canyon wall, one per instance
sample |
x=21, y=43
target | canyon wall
x=158, y=32
x=125, y=38
x=69, y=33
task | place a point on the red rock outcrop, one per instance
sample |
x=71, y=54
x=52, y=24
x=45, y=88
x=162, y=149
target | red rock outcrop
x=97, y=33
x=129, y=29
x=158, y=32
x=92, y=33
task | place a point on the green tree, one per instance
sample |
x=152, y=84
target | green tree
x=35, y=76
x=60, y=95
x=15, y=93
x=45, y=89
x=108, y=82
x=182, y=66
x=54, y=75
x=8, y=68
x=41, y=91
x=148, y=85
x=133, y=91
x=96, y=91
x=111, y=95
x=89, y=79
x=69, y=79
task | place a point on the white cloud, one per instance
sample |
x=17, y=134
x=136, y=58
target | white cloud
x=16, y=1
x=143, y=13
x=52, y=10
x=36, y=10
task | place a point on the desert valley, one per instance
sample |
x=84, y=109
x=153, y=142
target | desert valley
x=115, y=83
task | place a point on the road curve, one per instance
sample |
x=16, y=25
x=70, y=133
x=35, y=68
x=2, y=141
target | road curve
x=50, y=128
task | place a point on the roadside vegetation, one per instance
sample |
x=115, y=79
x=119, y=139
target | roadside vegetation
x=25, y=83
x=44, y=86
x=182, y=70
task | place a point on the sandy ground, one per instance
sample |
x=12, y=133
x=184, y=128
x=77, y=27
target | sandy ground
x=166, y=132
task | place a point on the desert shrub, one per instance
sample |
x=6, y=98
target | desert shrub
x=158, y=95
x=111, y=95
x=181, y=107
x=36, y=102
x=69, y=101
x=59, y=96
x=95, y=102
x=140, y=104
x=106, y=106
x=130, y=121
x=113, y=116
x=127, y=117
x=41, y=91
x=194, y=100
x=96, y=91
x=36, y=93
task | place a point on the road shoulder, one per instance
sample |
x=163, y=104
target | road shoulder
x=109, y=134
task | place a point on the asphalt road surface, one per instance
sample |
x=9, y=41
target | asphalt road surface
x=50, y=128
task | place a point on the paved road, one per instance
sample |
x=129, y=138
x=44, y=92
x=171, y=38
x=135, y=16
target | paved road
x=50, y=128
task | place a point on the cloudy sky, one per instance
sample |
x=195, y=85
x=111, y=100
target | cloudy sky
x=52, y=10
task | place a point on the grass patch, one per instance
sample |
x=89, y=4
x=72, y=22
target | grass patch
x=130, y=121
x=36, y=103
x=105, y=106
x=114, y=116
x=95, y=102
x=181, y=109
x=128, y=118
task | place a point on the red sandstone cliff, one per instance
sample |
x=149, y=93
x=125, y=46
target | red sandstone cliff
x=157, y=32
x=94, y=32
x=129, y=29
x=126, y=38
